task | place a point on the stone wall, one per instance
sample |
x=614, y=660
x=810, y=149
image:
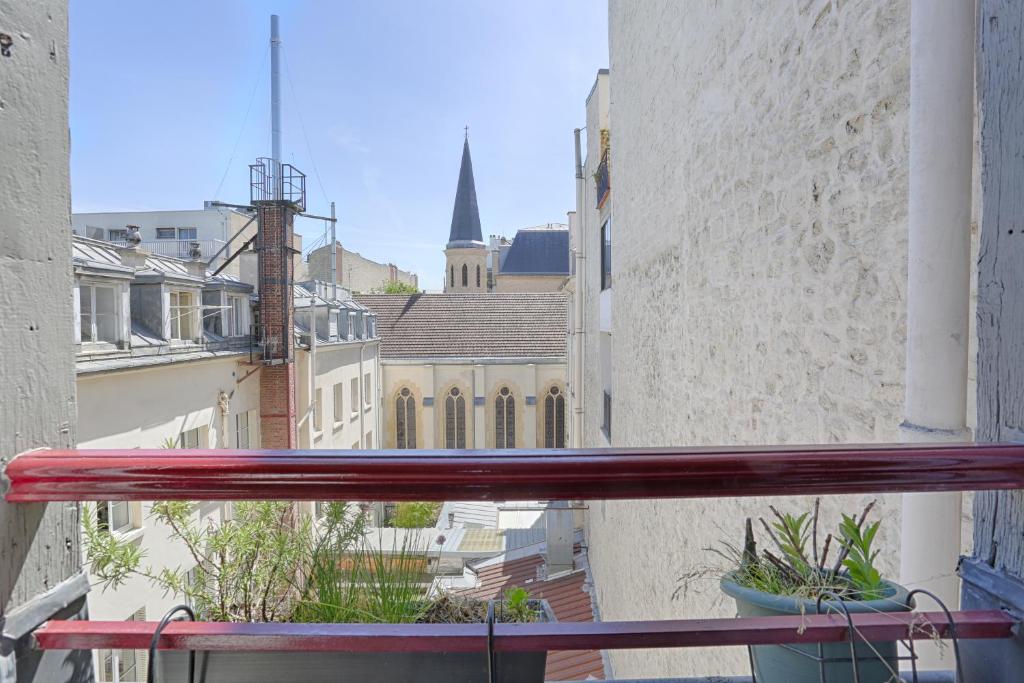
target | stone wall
x=759, y=260
x=356, y=272
x=505, y=282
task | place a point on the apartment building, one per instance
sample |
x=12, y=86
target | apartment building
x=165, y=359
x=355, y=272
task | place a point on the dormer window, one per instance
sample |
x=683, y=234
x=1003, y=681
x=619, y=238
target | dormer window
x=98, y=314
x=237, y=317
x=182, y=309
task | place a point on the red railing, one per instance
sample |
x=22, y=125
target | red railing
x=538, y=474
x=60, y=475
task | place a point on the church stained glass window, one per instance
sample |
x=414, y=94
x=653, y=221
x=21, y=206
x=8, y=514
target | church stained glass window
x=504, y=419
x=455, y=419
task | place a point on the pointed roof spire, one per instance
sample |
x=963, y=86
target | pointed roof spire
x=466, y=215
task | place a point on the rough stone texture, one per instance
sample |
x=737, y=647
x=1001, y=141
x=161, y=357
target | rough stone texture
x=356, y=272
x=39, y=544
x=759, y=258
x=999, y=516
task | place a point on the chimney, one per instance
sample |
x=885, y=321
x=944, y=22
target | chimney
x=560, y=537
x=197, y=266
x=131, y=254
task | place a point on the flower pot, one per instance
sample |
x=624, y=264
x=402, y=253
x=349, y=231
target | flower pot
x=364, y=667
x=777, y=664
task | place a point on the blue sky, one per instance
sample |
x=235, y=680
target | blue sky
x=160, y=90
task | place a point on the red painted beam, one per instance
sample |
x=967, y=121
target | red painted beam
x=60, y=475
x=68, y=635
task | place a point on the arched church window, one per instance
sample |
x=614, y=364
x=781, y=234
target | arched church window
x=455, y=419
x=451, y=276
x=504, y=419
x=478, y=276
x=465, y=275
x=405, y=419
x=554, y=419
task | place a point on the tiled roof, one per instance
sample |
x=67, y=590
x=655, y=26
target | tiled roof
x=537, y=252
x=525, y=325
x=568, y=599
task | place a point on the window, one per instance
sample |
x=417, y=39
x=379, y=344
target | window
x=182, y=307
x=98, y=314
x=478, y=276
x=606, y=421
x=451, y=273
x=354, y=397
x=339, y=394
x=242, y=430
x=455, y=419
x=405, y=419
x=465, y=275
x=554, y=419
x=504, y=419
x=367, y=390
x=118, y=235
x=191, y=438
x=165, y=233
x=187, y=234
x=113, y=516
x=318, y=410
x=236, y=317
x=606, y=254
x=124, y=666
x=319, y=508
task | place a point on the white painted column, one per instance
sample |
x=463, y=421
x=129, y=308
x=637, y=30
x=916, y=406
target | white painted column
x=938, y=290
x=479, y=411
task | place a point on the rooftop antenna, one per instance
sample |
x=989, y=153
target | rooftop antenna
x=275, y=105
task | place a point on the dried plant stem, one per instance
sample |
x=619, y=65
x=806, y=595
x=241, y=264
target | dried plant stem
x=790, y=573
x=814, y=531
x=824, y=552
x=749, y=545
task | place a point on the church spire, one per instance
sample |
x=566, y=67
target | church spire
x=466, y=215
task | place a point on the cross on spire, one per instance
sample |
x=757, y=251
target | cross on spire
x=467, y=132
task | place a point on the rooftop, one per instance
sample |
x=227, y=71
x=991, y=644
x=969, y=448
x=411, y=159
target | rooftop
x=538, y=251
x=494, y=325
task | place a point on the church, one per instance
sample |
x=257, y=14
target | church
x=472, y=367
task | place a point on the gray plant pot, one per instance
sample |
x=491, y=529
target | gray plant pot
x=354, y=667
x=777, y=664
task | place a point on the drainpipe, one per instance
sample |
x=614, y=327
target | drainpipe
x=362, y=388
x=313, y=417
x=578, y=328
x=938, y=287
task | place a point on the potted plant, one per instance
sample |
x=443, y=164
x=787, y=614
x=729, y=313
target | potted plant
x=791, y=580
x=270, y=564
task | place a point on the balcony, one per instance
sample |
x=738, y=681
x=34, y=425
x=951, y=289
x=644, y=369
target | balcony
x=602, y=179
x=645, y=473
x=182, y=249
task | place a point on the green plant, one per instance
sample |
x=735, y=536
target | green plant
x=516, y=606
x=800, y=568
x=396, y=288
x=415, y=515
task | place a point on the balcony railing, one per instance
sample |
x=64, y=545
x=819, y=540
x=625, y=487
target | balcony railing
x=76, y=475
x=181, y=249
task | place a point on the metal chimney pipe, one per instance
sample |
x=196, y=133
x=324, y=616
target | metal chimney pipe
x=275, y=104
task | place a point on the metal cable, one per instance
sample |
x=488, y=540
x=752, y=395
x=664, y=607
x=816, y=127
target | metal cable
x=151, y=664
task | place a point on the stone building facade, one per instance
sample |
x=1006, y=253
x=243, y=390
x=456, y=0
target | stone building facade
x=759, y=261
x=356, y=273
x=472, y=370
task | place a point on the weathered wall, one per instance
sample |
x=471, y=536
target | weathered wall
x=356, y=272
x=39, y=544
x=759, y=256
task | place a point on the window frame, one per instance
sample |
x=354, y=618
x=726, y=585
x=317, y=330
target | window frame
x=554, y=418
x=454, y=417
x=367, y=390
x=188, y=234
x=172, y=236
x=176, y=320
x=606, y=415
x=318, y=410
x=504, y=418
x=339, y=402
x=465, y=275
x=405, y=419
x=116, y=314
x=103, y=522
x=606, y=254
x=242, y=430
x=354, y=398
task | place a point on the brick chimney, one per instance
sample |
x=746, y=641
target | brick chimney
x=275, y=219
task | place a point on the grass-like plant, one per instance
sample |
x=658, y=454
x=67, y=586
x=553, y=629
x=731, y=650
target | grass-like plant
x=800, y=568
